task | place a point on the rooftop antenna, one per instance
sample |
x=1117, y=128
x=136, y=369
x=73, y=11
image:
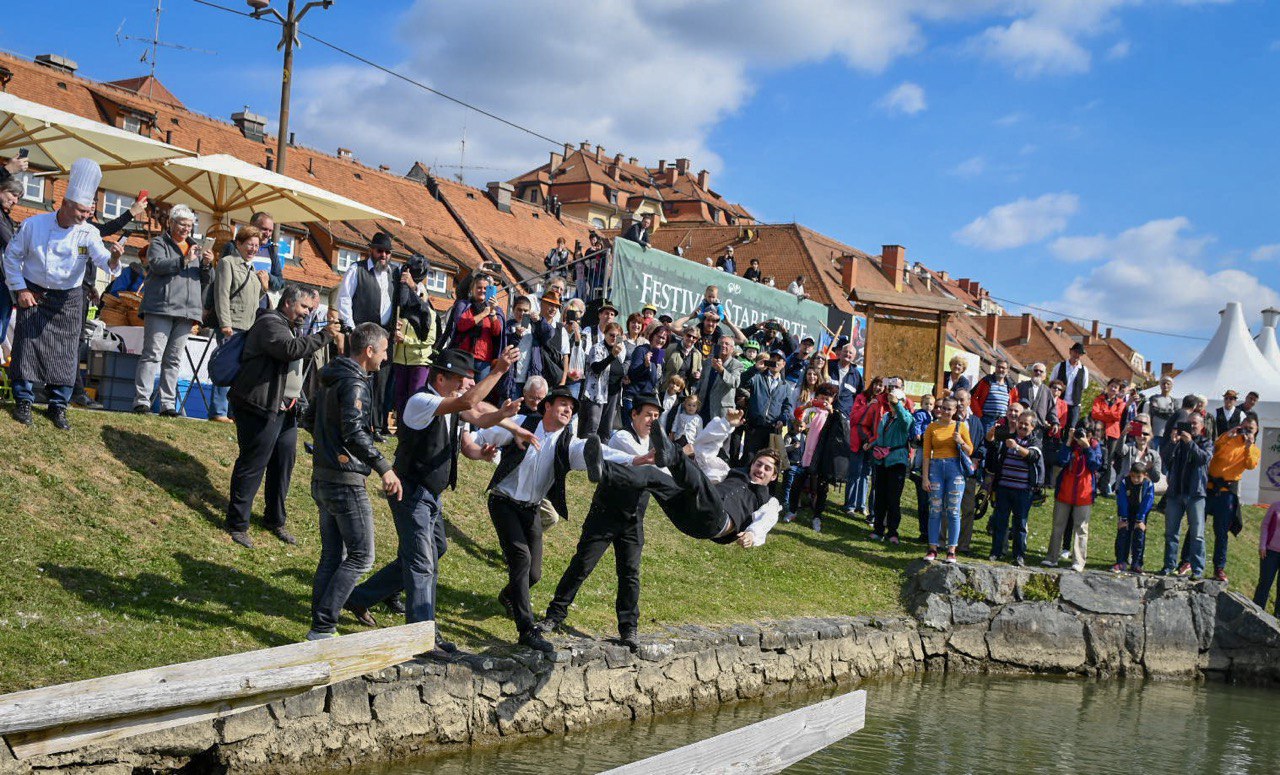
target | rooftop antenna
x=461, y=166
x=154, y=42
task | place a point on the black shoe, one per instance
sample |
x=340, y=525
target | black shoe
x=141, y=409
x=169, y=413
x=83, y=401
x=550, y=624
x=448, y=647
x=507, y=605
x=362, y=615
x=534, y=640
x=395, y=604
x=284, y=535
x=378, y=437
x=594, y=458
x=242, y=538
x=627, y=637
x=22, y=412
x=664, y=452
x=57, y=414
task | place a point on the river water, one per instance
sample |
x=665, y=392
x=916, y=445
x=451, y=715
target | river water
x=953, y=724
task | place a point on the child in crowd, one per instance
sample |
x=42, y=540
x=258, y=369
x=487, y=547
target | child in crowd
x=711, y=302
x=1081, y=459
x=795, y=443
x=1133, y=503
x=687, y=424
x=1016, y=466
x=671, y=390
x=1269, y=551
x=812, y=418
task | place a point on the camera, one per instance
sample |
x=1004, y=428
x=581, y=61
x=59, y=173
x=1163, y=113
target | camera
x=1183, y=426
x=571, y=316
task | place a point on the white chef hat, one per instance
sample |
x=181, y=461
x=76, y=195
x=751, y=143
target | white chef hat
x=83, y=186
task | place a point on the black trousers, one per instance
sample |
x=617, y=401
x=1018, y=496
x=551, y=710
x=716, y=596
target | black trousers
x=922, y=503
x=520, y=534
x=605, y=526
x=1110, y=451
x=381, y=387
x=888, y=503
x=756, y=440
x=686, y=495
x=268, y=445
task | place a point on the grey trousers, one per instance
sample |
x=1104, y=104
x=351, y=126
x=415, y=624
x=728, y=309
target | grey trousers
x=164, y=340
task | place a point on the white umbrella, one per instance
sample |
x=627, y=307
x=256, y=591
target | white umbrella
x=228, y=187
x=55, y=138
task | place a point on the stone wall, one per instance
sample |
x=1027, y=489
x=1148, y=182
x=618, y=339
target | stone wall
x=966, y=618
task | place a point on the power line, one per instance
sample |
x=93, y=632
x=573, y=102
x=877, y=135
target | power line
x=394, y=74
x=1108, y=324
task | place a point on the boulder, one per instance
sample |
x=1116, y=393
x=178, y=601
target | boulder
x=969, y=612
x=1041, y=636
x=934, y=611
x=1172, y=644
x=1101, y=593
x=997, y=584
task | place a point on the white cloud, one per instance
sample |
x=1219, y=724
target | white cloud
x=1010, y=119
x=1119, y=50
x=904, y=99
x=1033, y=49
x=1265, y=252
x=971, y=167
x=1152, y=242
x=1020, y=223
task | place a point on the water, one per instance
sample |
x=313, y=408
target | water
x=953, y=724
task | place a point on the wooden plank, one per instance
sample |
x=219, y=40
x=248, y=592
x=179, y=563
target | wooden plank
x=768, y=746
x=347, y=657
x=96, y=706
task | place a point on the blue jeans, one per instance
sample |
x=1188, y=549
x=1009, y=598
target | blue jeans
x=25, y=390
x=1193, y=508
x=218, y=402
x=420, y=528
x=947, y=490
x=1267, y=570
x=346, y=549
x=788, y=479
x=855, y=488
x=1220, y=505
x=1131, y=542
x=1010, y=503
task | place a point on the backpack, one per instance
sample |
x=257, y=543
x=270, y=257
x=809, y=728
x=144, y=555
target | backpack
x=224, y=364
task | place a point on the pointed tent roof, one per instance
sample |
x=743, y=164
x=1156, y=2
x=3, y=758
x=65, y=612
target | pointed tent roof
x=1231, y=360
x=1266, y=338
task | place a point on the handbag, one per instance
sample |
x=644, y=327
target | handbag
x=966, y=463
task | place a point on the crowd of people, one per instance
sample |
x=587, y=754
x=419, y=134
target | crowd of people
x=730, y=430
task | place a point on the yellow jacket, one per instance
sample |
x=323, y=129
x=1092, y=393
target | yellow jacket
x=1231, y=457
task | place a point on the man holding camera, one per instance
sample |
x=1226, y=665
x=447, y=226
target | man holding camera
x=1187, y=467
x=1233, y=454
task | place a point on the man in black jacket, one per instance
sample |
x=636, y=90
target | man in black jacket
x=639, y=232
x=344, y=455
x=265, y=397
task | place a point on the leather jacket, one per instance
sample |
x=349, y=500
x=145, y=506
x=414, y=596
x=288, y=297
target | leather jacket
x=341, y=426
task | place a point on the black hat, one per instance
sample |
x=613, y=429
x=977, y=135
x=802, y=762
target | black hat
x=380, y=241
x=455, y=361
x=645, y=400
x=1077, y=348
x=606, y=304
x=560, y=392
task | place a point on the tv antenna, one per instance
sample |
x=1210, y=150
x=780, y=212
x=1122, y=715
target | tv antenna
x=154, y=42
x=462, y=165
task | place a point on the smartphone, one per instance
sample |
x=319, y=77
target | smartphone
x=206, y=243
x=490, y=293
x=23, y=153
x=1136, y=428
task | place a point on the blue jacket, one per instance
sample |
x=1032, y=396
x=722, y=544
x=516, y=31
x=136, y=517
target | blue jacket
x=644, y=379
x=919, y=422
x=1145, y=503
x=895, y=428
x=765, y=408
x=849, y=388
x=1187, y=466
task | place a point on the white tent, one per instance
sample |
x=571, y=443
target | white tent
x=1232, y=361
x=1266, y=338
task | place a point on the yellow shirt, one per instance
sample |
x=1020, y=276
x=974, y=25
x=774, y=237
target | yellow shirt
x=940, y=439
x=1231, y=458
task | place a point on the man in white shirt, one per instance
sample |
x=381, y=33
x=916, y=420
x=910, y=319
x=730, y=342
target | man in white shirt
x=44, y=267
x=525, y=477
x=1075, y=375
x=368, y=295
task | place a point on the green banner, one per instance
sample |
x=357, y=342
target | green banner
x=676, y=285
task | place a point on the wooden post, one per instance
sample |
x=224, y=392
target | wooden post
x=942, y=366
x=765, y=747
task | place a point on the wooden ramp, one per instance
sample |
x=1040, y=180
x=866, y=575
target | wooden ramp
x=764, y=747
x=101, y=710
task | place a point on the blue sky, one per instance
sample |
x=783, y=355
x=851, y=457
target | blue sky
x=1105, y=158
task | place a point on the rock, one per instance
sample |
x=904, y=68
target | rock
x=970, y=641
x=402, y=711
x=1105, y=638
x=998, y=584
x=1241, y=624
x=246, y=724
x=1037, y=635
x=349, y=703
x=1101, y=593
x=969, y=612
x=1172, y=644
x=622, y=686
x=1204, y=613
x=654, y=652
x=934, y=611
x=939, y=578
x=573, y=688
x=933, y=644
x=520, y=681
x=457, y=680
x=597, y=681
x=705, y=665
x=305, y=705
x=616, y=655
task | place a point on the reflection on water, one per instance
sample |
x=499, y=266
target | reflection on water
x=955, y=724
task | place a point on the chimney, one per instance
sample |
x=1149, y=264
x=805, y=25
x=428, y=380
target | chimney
x=1166, y=369
x=500, y=193
x=384, y=167
x=1108, y=336
x=1093, y=332
x=964, y=284
x=993, y=329
x=251, y=125
x=682, y=166
x=945, y=276
x=662, y=165
x=584, y=146
x=848, y=272
x=1148, y=367
x=557, y=159
x=893, y=261
x=615, y=171
x=632, y=161
x=704, y=180
x=1024, y=328
x=344, y=153
x=59, y=63
x=617, y=159
x=599, y=153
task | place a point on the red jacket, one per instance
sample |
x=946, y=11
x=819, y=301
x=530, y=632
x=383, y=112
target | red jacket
x=1109, y=414
x=983, y=388
x=1075, y=483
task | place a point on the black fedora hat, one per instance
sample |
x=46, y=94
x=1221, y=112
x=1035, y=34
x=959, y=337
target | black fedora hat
x=560, y=392
x=455, y=361
x=646, y=400
x=380, y=241
x=606, y=304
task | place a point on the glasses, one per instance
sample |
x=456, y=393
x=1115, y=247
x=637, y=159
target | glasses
x=1039, y=371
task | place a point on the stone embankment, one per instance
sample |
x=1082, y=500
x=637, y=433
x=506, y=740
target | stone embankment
x=965, y=618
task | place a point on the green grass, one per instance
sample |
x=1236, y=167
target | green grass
x=114, y=558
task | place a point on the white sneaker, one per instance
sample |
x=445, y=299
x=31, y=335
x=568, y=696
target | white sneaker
x=313, y=635
x=851, y=512
x=1065, y=556
x=1078, y=568
x=817, y=525
x=1049, y=563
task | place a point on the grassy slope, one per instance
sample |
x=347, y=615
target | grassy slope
x=114, y=558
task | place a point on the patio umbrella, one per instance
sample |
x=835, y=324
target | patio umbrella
x=228, y=187
x=55, y=138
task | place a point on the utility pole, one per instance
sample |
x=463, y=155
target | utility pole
x=288, y=39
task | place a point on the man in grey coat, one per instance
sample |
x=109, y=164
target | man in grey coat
x=721, y=375
x=1039, y=398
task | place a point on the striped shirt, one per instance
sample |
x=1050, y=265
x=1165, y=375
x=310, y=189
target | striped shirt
x=1015, y=473
x=997, y=402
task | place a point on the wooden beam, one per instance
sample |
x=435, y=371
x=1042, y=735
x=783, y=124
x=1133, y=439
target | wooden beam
x=942, y=366
x=768, y=746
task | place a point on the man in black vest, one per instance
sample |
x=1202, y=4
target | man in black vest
x=1075, y=375
x=368, y=295
x=1228, y=416
x=523, y=479
x=427, y=462
x=616, y=518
